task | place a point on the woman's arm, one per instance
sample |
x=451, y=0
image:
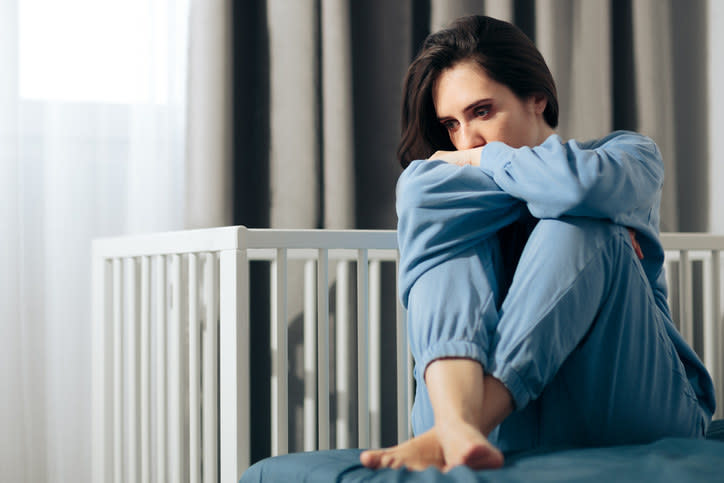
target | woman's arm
x=611, y=178
x=444, y=209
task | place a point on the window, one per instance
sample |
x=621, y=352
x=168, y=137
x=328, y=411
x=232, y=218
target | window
x=107, y=51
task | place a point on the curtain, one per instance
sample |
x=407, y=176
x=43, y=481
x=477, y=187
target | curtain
x=208, y=198
x=317, y=96
x=713, y=114
x=92, y=143
x=15, y=416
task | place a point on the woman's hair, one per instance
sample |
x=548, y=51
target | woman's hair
x=504, y=52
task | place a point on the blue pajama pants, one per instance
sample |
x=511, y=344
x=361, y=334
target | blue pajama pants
x=578, y=339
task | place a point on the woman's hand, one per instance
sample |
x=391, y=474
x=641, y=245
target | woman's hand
x=636, y=246
x=461, y=158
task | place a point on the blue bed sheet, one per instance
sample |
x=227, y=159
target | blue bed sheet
x=666, y=460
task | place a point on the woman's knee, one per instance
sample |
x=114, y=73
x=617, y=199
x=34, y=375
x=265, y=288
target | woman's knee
x=558, y=250
x=564, y=232
x=571, y=238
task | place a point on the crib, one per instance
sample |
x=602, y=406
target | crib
x=170, y=342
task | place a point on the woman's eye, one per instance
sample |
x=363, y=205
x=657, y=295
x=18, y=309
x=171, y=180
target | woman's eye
x=482, y=111
x=449, y=125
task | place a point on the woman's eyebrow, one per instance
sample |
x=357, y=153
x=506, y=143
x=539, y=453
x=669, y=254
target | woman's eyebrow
x=470, y=106
x=475, y=104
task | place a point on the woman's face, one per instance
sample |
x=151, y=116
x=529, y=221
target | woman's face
x=476, y=110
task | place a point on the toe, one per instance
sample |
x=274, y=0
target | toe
x=386, y=460
x=484, y=457
x=371, y=458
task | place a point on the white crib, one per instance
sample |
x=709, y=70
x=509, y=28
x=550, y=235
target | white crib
x=171, y=321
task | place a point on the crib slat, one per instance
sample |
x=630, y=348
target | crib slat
x=410, y=385
x=234, y=387
x=323, y=347
x=310, y=356
x=134, y=442
x=363, y=423
x=712, y=316
x=401, y=354
x=161, y=375
x=210, y=369
x=183, y=390
x=342, y=374
x=686, y=323
x=102, y=330
x=717, y=331
x=668, y=269
x=708, y=325
x=279, y=385
x=375, y=382
x=175, y=393
x=118, y=395
x=145, y=370
x=194, y=372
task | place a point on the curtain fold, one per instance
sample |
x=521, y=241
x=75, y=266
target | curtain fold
x=21, y=434
x=294, y=157
x=337, y=119
x=714, y=74
x=691, y=102
x=23, y=455
x=209, y=198
x=574, y=38
x=502, y=9
x=382, y=39
x=654, y=93
x=443, y=12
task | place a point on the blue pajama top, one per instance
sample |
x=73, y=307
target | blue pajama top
x=618, y=177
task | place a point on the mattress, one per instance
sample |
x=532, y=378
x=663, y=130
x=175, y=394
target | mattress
x=666, y=460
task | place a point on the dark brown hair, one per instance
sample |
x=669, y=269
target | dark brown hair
x=504, y=52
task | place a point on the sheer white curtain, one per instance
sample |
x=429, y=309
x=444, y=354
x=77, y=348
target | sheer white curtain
x=92, y=143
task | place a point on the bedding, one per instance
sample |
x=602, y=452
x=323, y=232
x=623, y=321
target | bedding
x=666, y=460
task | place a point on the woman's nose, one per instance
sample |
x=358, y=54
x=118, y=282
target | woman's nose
x=470, y=138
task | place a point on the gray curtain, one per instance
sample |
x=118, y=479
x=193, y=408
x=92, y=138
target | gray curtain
x=294, y=115
x=209, y=199
x=315, y=96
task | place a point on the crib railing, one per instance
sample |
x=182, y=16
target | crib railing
x=696, y=260
x=171, y=323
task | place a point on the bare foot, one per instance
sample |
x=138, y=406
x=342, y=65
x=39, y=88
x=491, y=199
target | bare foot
x=416, y=454
x=463, y=444
x=443, y=447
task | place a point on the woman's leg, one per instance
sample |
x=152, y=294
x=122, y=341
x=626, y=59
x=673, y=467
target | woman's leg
x=452, y=309
x=581, y=337
x=448, y=217
x=467, y=405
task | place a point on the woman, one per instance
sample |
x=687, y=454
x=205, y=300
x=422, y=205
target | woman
x=531, y=267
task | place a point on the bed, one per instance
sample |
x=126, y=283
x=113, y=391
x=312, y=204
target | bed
x=172, y=374
x=671, y=459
